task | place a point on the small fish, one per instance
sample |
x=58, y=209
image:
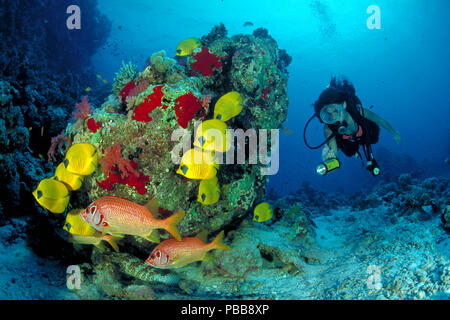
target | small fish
x=208, y=191
x=228, y=106
x=198, y=164
x=119, y=216
x=212, y=135
x=81, y=159
x=99, y=76
x=186, y=46
x=52, y=195
x=75, y=225
x=171, y=254
x=74, y=181
x=248, y=24
x=286, y=131
x=95, y=240
x=81, y=232
x=88, y=89
x=42, y=131
x=262, y=212
x=105, y=81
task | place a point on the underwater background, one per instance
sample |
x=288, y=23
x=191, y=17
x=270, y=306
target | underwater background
x=346, y=235
x=398, y=69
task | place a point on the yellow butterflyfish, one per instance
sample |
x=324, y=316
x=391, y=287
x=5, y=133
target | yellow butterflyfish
x=228, y=106
x=74, y=181
x=81, y=158
x=198, y=164
x=208, y=191
x=185, y=47
x=81, y=232
x=212, y=135
x=262, y=212
x=75, y=225
x=52, y=195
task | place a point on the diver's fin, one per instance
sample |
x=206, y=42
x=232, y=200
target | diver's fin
x=203, y=235
x=112, y=242
x=153, y=236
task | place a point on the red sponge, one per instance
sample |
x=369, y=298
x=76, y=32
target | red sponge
x=206, y=61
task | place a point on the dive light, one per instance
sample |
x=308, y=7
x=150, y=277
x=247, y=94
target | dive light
x=328, y=166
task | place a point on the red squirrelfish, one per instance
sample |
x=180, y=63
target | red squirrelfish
x=171, y=253
x=119, y=216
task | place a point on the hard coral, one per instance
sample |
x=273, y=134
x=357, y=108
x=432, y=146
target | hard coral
x=83, y=109
x=206, y=61
x=116, y=169
x=186, y=108
x=141, y=112
x=127, y=73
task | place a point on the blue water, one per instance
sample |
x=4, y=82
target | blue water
x=401, y=69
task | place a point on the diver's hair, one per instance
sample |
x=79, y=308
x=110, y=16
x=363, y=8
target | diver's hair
x=339, y=90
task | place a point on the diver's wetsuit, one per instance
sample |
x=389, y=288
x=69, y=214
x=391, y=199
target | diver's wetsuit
x=350, y=146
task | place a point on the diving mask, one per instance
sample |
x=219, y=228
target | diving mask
x=332, y=113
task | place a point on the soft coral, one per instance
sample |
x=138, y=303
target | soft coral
x=116, y=169
x=82, y=110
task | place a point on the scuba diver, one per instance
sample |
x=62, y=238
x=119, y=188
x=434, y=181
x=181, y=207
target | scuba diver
x=348, y=126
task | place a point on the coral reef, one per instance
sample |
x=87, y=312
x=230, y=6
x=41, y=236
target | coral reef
x=132, y=133
x=165, y=97
x=44, y=70
x=122, y=82
x=408, y=196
